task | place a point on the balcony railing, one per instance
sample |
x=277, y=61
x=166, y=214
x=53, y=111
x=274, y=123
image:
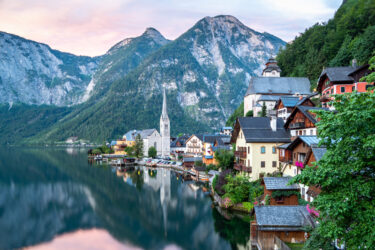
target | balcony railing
x=242, y=168
x=297, y=125
x=241, y=154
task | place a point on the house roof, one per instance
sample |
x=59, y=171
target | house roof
x=146, y=133
x=318, y=152
x=130, y=135
x=278, y=85
x=182, y=140
x=267, y=98
x=213, y=138
x=279, y=183
x=289, y=101
x=284, y=146
x=310, y=140
x=258, y=129
x=226, y=128
x=192, y=159
x=339, y=74
x=276, y=217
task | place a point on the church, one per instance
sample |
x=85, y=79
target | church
x=268, y=88
x=151, y=137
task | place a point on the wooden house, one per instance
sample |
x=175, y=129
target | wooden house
x=285, y=223
x=340, y=80
x=279, y=192
x=188, y=162
x=302, y=121
x=285, y=105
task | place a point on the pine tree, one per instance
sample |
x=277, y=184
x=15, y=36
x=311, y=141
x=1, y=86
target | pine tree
x=264, y=110
x=138, y=147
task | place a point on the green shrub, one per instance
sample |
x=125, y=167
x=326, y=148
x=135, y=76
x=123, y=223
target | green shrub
x=267, y=200
x=248, y=205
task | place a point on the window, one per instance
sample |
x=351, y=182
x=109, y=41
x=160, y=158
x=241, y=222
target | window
x=332, y=91
x=311, y=132
x=274, y=164
x=263, y=150
x=273, y=150
x=353, y=88
x=248, y=161
x=304, y=132
x=342, y=89
x=248, y=151
x=282, y=152
x=262, y=164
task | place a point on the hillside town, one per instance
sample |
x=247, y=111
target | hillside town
x=275, y=140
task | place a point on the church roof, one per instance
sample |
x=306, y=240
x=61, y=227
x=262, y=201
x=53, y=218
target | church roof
x=279, y=85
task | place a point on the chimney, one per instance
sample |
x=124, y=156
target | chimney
x=354, y=63
x=273, y=120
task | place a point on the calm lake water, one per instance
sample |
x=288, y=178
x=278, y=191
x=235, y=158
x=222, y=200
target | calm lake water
x=53, y=198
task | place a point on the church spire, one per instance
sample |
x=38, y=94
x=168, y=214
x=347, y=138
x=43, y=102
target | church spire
x=164, y=113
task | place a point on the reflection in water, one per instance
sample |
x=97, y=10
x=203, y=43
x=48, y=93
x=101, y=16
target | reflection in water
x=48, y=193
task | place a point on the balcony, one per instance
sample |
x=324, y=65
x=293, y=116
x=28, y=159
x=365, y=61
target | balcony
x=240, y=154
x=297, y=125
x=242, y=168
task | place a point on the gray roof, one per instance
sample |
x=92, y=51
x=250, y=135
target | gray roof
x=336, y=74
x=192, y=159
x=286, y=145
x=146, y=133
x=266, y=98
x=258, y=129
x=279, y=85
x=277, y=217
x=279, y=183
x=307, y=109
x=289, y=101
x=318, y=152
x=310, y=139
x=182, y=140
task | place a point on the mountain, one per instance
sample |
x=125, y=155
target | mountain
x=121, y=59
x=349, y=34
x=33, y=73
x=205, y=71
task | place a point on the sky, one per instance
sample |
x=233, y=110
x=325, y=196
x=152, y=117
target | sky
x=91, y=27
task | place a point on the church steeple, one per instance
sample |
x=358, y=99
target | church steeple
x=165, y=128
x=164, y=114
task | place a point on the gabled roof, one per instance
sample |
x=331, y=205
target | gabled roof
x=146, y=133
x=310, y=140
x=279, y=85
x=182, y=140
x=258, y=129
x=213, y=138
x=130, y=135
x=279, y=183
x=338, y=74
x=267, y=98
x=318, y=152
x=306, y=110
x=199, y=136
x=279, y=218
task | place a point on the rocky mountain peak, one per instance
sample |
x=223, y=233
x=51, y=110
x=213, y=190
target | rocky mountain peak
x=155, y=35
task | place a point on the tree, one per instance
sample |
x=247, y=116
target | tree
x=346, y=173
x=264, y=110
x=370, y=77
x=225, y=159
x=250, y=113
x=152, y=152
x=138, y=147
x=129, y=151
x=237, y=113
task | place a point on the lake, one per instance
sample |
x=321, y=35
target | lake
x=53, y=198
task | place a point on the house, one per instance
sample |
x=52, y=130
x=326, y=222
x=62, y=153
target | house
x=178, y=146
x=279, y=192
x=72, y=139
x=150, y=138
x=189, y=162
x=226, y=131
x=340, y=80
x=302, y=121
x=194, y=145
x=266, y=90
x=119, y=147
x=212, y=143
x=256, y=140
x=303, y=151
x=286, y=104
x=285, y=223
x=314, y=154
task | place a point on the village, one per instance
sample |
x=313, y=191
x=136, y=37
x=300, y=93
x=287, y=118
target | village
x=249, y=165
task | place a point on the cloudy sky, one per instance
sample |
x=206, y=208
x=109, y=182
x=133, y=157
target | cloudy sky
x=91, y=27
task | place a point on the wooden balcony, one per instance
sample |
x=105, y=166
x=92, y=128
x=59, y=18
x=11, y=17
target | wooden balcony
x=240, y=154
x=242, y=168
